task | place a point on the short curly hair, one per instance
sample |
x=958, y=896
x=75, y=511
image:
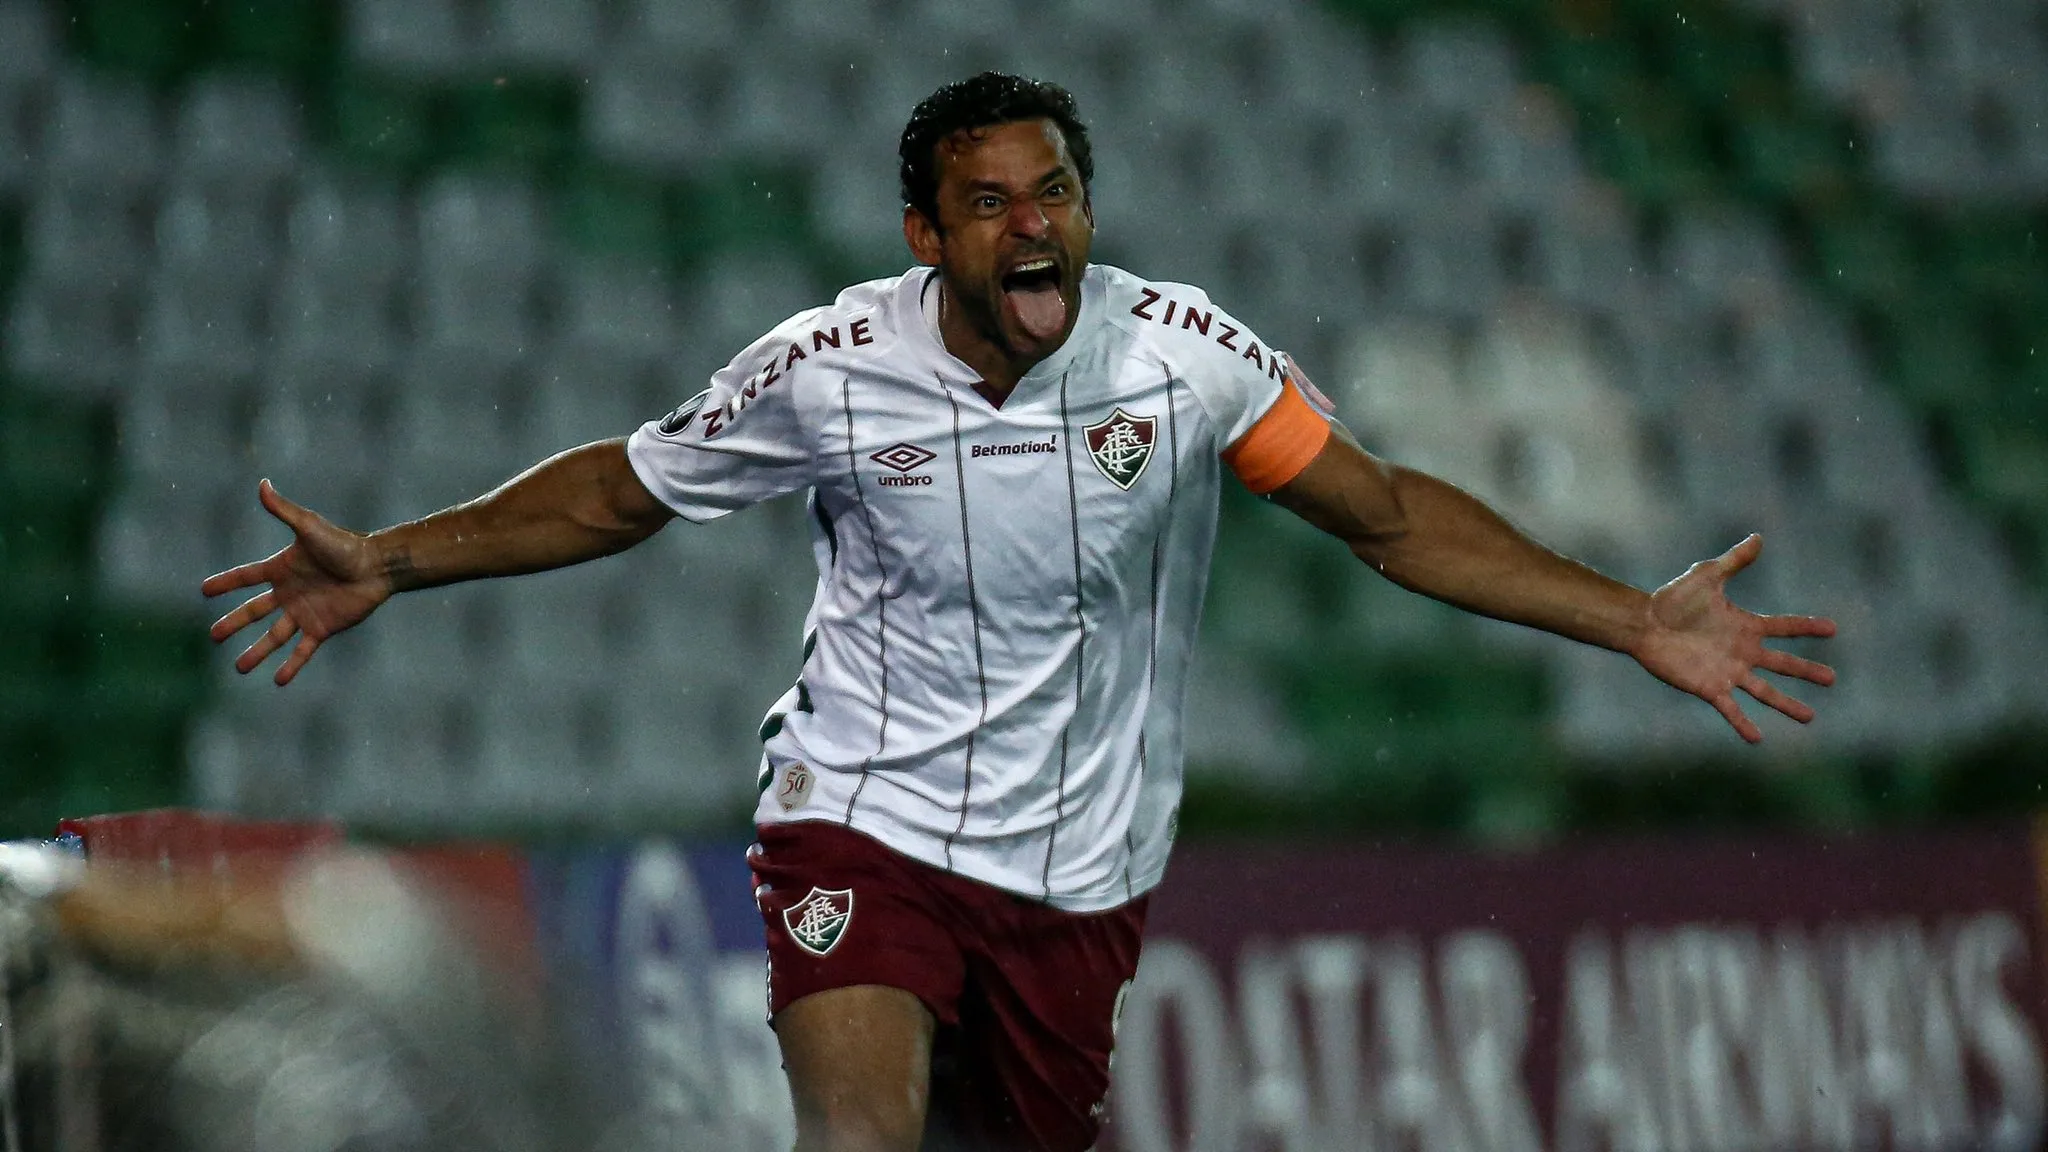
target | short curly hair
x=983, y=101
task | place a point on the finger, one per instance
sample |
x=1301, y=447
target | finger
x=1739, y=557
x=1798, y=626
x=1769, y=695
x=301, y=652
x=252, y=610
x=297, y=517
x=272, y=639
x=1732, y=713
x=233, y=578
x=1786, y=664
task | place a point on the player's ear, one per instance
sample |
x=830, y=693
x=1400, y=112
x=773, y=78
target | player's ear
x=923, y=237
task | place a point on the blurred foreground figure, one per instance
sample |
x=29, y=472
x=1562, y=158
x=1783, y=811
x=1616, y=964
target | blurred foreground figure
x=1013, y=458
x=313, y=1005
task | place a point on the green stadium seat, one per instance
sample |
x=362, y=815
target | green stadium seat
x=30, y=760
x=44, y=560
x=289, y=35
x=1715, y=61
x=11, y=257
x=1866, y=256
x=382, y=123
x=1525, y=804
x=2008, y=462
x=520, y=123
x=122, y=733
x=1527, y=18
x=1784, y=157
x=1824, y=796
x=155, y=40
x=52, y=452
x=27, y=643
x=1386, y=14
x=2028, y=391
x=1593, y=72
x=1444, y=708
x=744, y=208
x=1993, y=258
x=1655, y=147
x=118, y=778
x=1251, y=607
x=2026, y=534
x=607, y=212
x=1937, y=358
x=157, y=660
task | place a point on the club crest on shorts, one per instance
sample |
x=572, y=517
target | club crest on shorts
x=817, y=921
x=1121, y=446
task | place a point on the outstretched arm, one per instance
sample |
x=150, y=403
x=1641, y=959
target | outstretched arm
x=580, y=505
x=1430, y=537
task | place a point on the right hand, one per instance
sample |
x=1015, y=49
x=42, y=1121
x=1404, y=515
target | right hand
x=327, y=580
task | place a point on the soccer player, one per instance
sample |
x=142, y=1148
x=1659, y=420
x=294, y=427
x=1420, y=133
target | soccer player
x=1013, y=457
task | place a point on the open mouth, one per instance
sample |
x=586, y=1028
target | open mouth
x=1031, y=290
x=1032, y=275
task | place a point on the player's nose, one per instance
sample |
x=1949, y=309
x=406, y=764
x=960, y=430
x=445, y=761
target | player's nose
x=1027, y=218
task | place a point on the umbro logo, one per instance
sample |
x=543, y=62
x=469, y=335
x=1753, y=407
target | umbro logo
x=905, y=459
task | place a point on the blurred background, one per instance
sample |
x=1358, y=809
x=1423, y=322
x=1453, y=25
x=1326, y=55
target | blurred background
x=1647, y=274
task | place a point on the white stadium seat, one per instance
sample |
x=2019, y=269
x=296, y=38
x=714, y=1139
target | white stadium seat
x=424, y=38
x=72, y=337
x=552, y=35
x=101, y=132
x=350, y=230
x=237, y=131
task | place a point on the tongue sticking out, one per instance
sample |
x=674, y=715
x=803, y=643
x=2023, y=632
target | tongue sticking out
x=1039, y=309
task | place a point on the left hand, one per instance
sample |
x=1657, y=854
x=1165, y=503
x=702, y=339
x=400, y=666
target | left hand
x=1699, y=642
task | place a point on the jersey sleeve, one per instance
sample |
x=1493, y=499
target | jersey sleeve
x=739, y=442
x=1267, y=428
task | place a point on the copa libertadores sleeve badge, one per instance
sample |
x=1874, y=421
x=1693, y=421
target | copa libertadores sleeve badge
x=674, y=423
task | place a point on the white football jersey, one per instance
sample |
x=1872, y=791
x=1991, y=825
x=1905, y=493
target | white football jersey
x=998, y=651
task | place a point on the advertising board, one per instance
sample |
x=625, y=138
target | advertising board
x=1874, y=992
x=1880, y=992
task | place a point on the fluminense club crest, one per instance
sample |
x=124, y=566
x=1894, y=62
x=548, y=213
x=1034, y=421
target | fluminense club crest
x=817, y=921
x=1121, y=446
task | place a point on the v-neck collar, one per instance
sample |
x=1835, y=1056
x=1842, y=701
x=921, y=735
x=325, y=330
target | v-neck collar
x=956, y=373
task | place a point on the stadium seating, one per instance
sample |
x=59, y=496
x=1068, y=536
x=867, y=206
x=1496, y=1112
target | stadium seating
x=391, y=266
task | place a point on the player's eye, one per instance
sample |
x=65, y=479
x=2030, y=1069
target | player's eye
x=988, y=202
x=1055, y=191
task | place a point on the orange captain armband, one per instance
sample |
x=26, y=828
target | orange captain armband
x=1280, y=445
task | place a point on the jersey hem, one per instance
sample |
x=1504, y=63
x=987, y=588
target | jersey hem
x=927, y=848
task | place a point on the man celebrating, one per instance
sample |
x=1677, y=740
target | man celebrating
x=1013, y=459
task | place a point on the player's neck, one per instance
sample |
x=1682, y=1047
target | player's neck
x=998, y=369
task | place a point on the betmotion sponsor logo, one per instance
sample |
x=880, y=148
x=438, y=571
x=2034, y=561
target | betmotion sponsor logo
x=1029, y=447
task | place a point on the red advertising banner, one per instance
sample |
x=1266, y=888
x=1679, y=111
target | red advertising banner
x=1875, y=992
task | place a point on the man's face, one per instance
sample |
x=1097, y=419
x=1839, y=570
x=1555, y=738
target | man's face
x=1013, y=233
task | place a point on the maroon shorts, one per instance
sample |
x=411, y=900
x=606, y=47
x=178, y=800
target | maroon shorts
x=1025, y=995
